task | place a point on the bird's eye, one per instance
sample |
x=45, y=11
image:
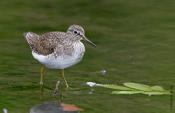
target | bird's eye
x=75, y=32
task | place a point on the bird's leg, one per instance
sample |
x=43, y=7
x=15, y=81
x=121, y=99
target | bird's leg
x=65, y=82
x=41, y=82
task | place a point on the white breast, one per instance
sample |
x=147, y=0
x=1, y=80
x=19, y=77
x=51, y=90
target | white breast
x=62, y=61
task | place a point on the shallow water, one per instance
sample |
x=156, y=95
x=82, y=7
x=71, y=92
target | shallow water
x=135, y=43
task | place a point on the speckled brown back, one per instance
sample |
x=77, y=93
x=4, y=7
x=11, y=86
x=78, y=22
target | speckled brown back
x=45, y=44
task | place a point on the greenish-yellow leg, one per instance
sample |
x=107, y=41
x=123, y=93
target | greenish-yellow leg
x=41, y=82
x=65, y=82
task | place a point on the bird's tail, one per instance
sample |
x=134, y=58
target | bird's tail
x=31, y=38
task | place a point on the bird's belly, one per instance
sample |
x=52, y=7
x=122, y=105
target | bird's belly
x=59, y=62
x=62, y=62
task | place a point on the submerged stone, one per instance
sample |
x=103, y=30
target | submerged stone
x=53, y=107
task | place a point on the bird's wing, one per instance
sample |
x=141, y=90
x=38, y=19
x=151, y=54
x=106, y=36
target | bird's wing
x=44, y=44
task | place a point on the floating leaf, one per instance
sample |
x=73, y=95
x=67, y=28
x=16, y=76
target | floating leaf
x=133, y=88
x=138, y=86
x=126, y=92
x=117, y=87
x=157, y=88
x=157, y=93
x=142, y=92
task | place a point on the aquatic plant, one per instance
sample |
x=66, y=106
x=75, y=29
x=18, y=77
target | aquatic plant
x=133, y=88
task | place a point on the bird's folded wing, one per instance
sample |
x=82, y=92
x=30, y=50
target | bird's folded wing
x=44, y=44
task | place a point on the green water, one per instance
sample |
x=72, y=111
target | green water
x=135, y=43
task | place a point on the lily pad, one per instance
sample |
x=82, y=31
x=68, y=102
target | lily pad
x=138, y=86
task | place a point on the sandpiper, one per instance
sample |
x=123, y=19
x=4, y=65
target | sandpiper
x=58, y=50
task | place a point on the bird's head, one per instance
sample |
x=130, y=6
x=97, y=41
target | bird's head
x=78, y=33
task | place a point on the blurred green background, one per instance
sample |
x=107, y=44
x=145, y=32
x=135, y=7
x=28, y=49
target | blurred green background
x=135, y=43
